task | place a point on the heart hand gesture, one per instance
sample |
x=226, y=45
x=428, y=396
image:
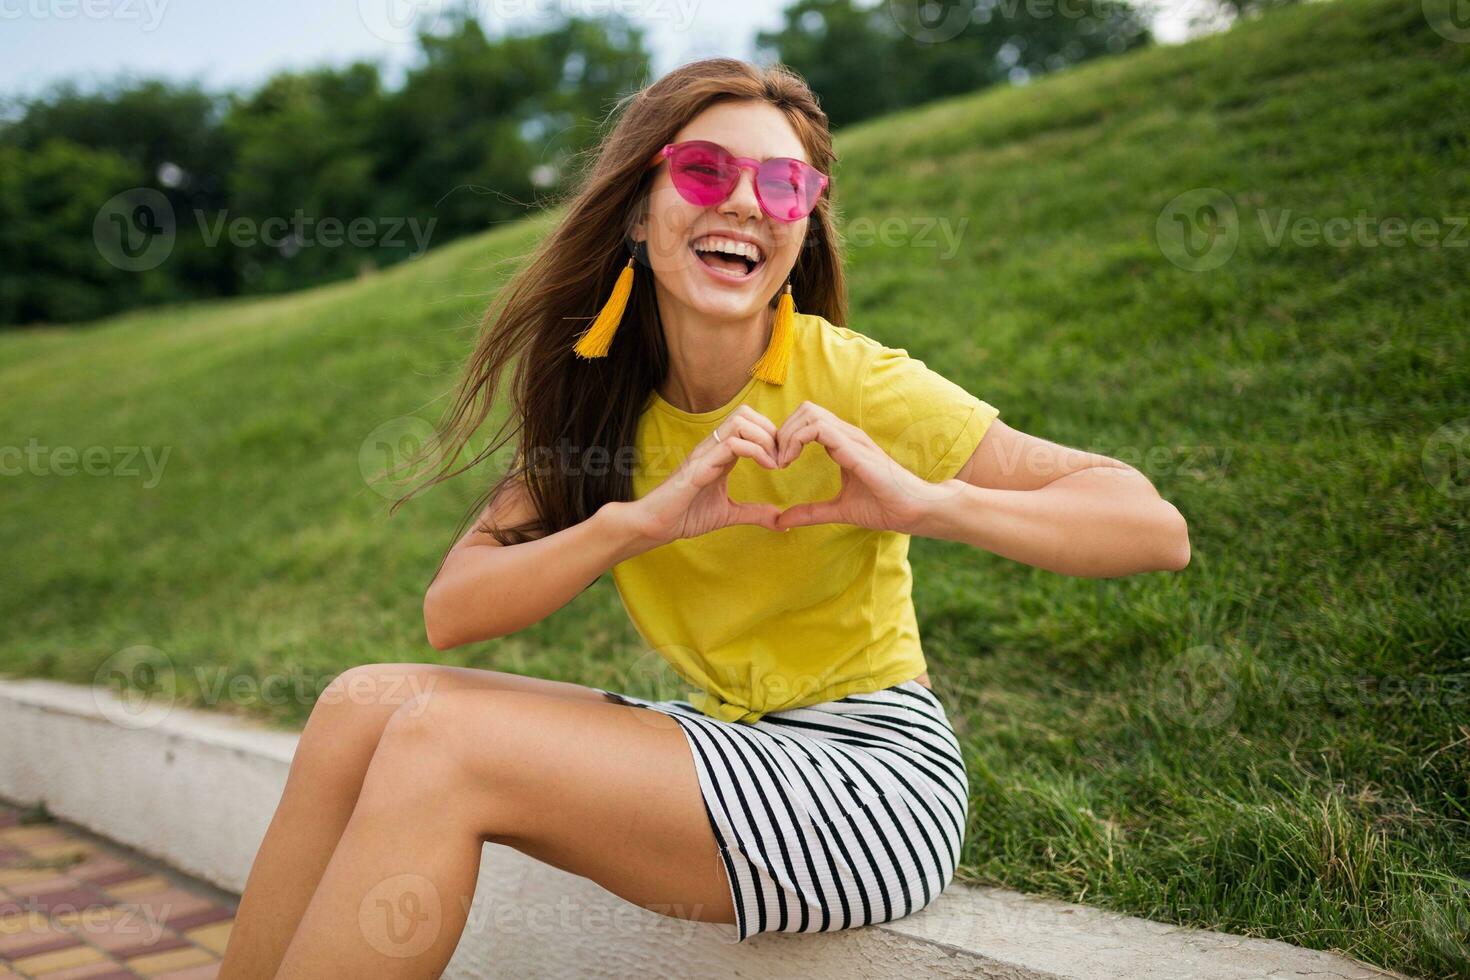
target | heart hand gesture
x=877, y=492
x=695, y=499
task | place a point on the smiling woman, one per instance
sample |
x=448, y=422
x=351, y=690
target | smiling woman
x=810, y=782
x=825, y=610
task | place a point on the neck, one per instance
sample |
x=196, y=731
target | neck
x=709, y=360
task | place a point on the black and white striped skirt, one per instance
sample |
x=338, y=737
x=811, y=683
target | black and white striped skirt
x=833, y=816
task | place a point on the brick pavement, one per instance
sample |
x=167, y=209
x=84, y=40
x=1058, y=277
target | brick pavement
x=71, y=907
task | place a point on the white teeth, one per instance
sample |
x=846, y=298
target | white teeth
x=713, y=243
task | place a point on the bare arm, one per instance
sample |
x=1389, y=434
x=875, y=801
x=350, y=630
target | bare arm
x=1058, y=508
x=487, y=589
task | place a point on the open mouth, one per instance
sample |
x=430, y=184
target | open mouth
x=728, y=262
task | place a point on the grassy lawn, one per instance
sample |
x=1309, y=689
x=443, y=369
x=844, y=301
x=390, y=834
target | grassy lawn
x=1274, y=742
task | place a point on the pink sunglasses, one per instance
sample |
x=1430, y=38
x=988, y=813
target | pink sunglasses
x=706, y=173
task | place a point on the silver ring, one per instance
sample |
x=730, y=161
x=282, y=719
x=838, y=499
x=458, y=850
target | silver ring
x=717, y=434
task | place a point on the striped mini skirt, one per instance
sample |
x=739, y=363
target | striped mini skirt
x=831, y=816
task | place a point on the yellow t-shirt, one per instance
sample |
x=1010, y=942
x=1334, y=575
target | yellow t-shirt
x=761, y=620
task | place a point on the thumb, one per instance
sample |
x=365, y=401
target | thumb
x=800, y=515
x=750, y=513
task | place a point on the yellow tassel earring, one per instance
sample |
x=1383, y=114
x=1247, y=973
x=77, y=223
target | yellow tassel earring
x=598, y=338
x=773, y=363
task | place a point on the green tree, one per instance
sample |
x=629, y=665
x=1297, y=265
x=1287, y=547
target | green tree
x=866, y=61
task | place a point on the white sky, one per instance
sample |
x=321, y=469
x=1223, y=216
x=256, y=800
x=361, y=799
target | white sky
x=226, y=44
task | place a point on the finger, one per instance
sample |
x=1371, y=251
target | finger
x=728, y=450
x=708, y=465
x=795, y=441
x=842, y=443
x=749, y=429
x=792, y=422
x=745, y=411
x=764, y=515
x=817, y=512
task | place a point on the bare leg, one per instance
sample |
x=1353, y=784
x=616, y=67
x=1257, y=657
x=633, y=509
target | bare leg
x=602, y=790
x=326, y=777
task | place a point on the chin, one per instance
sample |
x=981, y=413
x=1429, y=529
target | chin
x=726, y=306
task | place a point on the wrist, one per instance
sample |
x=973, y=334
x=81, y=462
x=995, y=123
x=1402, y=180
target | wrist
x=940, y=508
x=617, y=519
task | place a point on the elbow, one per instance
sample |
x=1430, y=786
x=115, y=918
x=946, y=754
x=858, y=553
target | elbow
x=1178, y=536
x=434, y=626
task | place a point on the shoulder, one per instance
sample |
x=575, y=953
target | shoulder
x=842, y=344
x=837, y=356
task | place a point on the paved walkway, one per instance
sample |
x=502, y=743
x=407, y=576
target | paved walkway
x=72, y=906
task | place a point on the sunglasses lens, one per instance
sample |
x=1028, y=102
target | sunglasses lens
x=701, y=173
x=705, y=174
x=789, y=188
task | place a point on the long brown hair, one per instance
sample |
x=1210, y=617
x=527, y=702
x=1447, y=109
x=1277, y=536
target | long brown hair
x=590, y=407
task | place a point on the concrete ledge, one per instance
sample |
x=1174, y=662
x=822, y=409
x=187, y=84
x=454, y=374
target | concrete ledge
x=197, y=790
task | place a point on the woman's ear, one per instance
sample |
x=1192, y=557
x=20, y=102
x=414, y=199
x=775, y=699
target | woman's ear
x=637, y=233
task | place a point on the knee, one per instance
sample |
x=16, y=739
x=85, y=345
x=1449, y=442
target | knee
x=420, y=752
x=367, y=694
x=349, y=715
x=446, y=759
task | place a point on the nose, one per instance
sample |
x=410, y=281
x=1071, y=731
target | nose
x=742, y=202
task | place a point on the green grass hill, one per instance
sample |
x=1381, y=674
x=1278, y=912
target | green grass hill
x=1240, y=264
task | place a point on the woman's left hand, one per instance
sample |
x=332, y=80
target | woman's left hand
x=876, y=493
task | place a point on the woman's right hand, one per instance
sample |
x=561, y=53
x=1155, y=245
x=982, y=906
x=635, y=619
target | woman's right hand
x=695, y=498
